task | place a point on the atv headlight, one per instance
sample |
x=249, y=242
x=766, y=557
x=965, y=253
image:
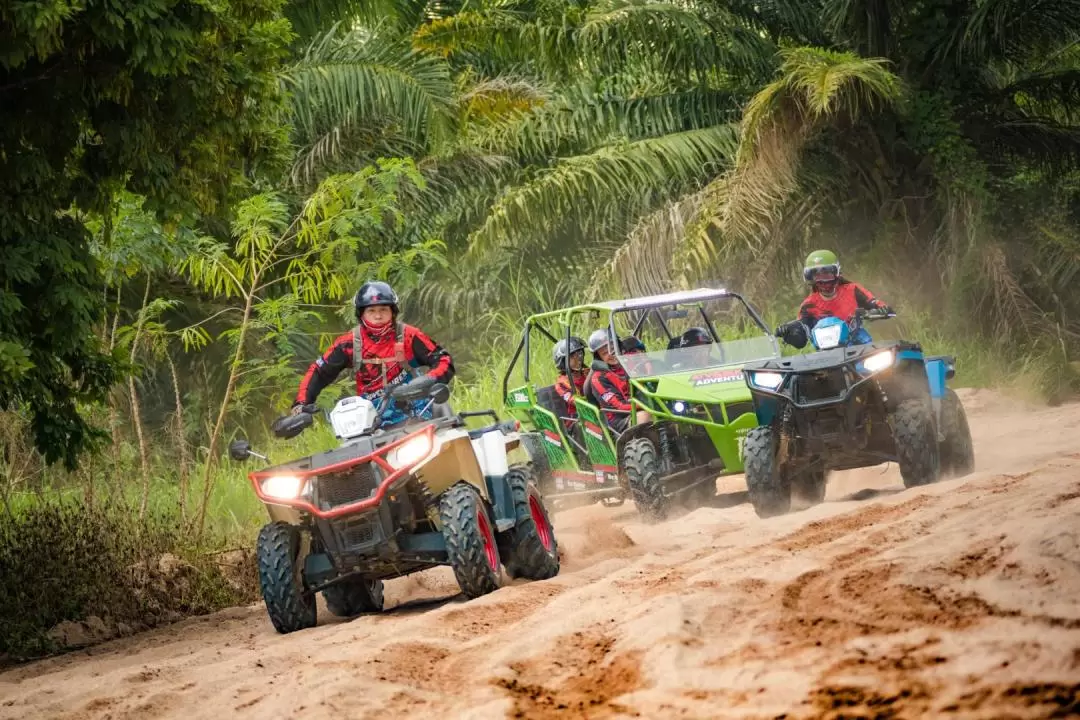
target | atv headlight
x=878, y=362
x=410, y=452
x=767, y=380
x=283, y=487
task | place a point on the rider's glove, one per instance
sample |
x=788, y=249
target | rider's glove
x=884, y=308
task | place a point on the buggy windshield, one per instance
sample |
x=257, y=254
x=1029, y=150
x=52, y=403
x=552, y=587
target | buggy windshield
x=678, y=337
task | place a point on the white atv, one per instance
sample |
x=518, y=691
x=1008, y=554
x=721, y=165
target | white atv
x=390, y=501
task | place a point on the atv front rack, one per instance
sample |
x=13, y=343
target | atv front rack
x=378, y=457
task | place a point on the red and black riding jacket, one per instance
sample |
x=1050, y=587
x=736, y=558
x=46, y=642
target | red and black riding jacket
x=399, y=350
x=609, y=388
x=568, y=388
x=848, y=298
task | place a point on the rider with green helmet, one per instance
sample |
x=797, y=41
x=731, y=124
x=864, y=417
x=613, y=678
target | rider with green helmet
x=831, y=295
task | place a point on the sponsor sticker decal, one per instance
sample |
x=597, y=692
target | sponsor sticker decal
x=716, y=376
x=553, y=438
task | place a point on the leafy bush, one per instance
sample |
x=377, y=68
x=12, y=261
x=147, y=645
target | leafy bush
x=63, y=562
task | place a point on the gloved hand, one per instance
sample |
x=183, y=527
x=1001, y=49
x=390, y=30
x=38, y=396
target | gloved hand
x=885, y=308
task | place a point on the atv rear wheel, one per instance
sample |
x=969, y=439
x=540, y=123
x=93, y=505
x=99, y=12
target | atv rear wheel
x=531, y=551
x=643, y=476
x=277, y=551
x=809, y=484
x=768, y=487
x=957, y=452
x=354, y=596
x=916, y=443
x=470, y=540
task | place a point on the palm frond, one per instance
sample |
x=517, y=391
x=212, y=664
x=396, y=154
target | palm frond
x=581, y=119
x=684, y=38
x=1010, y=29
x=352, y=78
x=816, y=86
x=595, y=185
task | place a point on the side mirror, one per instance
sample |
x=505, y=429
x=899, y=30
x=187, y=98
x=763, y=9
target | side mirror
x=440, y=393
x=239, y=450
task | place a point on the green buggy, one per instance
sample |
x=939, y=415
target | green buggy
x=699, y=405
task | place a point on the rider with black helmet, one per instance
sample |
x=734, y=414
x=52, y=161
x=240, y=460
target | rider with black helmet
x=570, y=362
x=379, y=339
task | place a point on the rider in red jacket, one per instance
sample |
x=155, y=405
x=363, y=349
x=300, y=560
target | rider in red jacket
x=832, y=295
x=608, y=384
x=380, y=341
x=570, y=362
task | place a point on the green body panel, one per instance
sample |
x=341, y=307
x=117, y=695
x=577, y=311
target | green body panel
x=520, y=401
x=556, y=446
x=601, y=450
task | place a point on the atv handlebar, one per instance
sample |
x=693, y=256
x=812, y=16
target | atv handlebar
x=292, y=425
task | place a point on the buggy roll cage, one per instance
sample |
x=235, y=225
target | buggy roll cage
x=649, y=306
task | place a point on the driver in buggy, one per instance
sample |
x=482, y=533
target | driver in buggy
x=695, y=337
x=831, y=295
x=383, y=345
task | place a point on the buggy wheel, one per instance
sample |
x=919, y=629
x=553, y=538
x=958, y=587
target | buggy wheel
x=957, y=451
x=809, y=484
x=470, y=540
x=354, y=596
x=531, y=551
x=916, y=443
x=769, y=489
x=277, y=552
x=643, y=476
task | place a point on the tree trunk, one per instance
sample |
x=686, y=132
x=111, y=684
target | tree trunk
x=234, y=371
x=136, y=414
x=181, y=439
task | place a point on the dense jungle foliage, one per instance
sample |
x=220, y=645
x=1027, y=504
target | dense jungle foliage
x=192, y=191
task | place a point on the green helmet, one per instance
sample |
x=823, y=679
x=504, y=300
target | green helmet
x=820, y=261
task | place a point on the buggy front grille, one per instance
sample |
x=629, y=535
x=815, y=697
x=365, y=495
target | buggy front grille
x=348, y=486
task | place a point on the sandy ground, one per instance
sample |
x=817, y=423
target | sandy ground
x=961, y=599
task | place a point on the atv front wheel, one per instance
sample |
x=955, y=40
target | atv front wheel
x=643, y=476
x=957, y=452
x=354, y=596
x=769, y=489
x=277, y=550
x=916, y=443
x=470, y=540
x=531, y=551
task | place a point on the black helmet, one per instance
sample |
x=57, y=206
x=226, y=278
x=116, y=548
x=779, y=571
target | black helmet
x=375, y=292
x=693, y=336
x=632, y=344
x=560, y=354
x=599, y=339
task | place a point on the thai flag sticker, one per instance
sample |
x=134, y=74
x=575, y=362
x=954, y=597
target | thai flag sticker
x=594, y=430
x=553, y=438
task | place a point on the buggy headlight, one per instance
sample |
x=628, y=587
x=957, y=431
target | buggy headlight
x=878, y=361
x=827, y=337
x=283, y=487
x=678, y=407
x=767, y=380
x=410, y=452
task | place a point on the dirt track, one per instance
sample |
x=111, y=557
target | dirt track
x=960, y=599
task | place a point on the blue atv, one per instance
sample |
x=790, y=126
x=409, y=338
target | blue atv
x=853, y=403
